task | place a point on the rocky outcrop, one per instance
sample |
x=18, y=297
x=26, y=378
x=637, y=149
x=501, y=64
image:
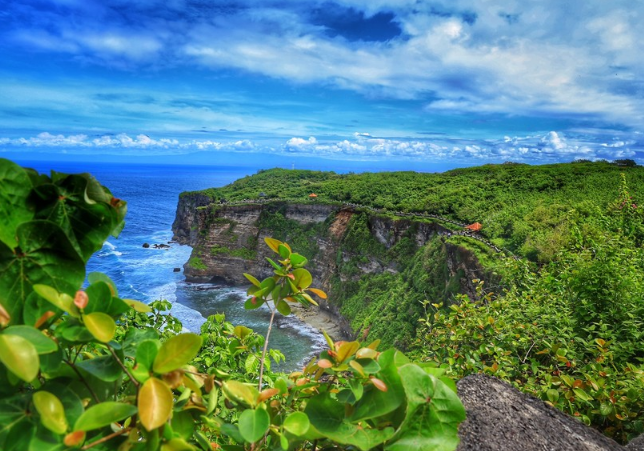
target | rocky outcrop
x=501, y=418
x=227, y=241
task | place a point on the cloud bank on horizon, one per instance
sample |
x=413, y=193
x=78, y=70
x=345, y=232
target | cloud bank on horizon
x=436, y=79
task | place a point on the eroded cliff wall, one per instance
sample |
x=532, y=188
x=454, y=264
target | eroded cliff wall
x=354, y=255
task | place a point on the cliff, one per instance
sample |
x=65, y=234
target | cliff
x=352, y=253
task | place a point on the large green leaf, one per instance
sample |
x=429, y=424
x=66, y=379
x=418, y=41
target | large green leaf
x=64, y=202
x=303, y=278
x=42, y=343
x=19, y=356
x=433, y=414
x=100, y=325
x=12, y=412
x=374, y=402
x=177, y=352
x=253, y=424
x=154, y=403
x=101, y=299
x=14, y=210
x=44, y=256
x=104, y=367
x=327, y=416
x=104, y=414
x=51, y=410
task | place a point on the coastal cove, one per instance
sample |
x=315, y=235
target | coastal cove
x=148, y=274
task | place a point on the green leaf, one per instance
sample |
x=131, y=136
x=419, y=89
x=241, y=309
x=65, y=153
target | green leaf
x=95, y=277
x=252, y=279
x=298, y=260
x=14, y=209
x=155, y=403
x=87, y=225
x=432, y=416
x=176, y=352
x=42, y=343
x=146, y=352
x=273, y=244
x=102, y=300
x=297, y=423
x=303, y=278
x=283, y=251
x=327, y=417
x=253, y=303
x=104, y=367
x=104, y=414
x=177, y=444
x=45, y=257
x=375, y=403
x=240, y=393
x=581, y=394
x=19, y=356
x=273, y=264
x=100, y=325
x=283, y=307
x=253, y=424
x=61, y=300
x=553, y=395
x=52, y=413
x=138, y=306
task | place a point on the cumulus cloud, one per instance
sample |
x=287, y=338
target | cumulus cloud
x=513, y=57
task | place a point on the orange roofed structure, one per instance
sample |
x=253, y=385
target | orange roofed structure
x=312, y=196
x=474, y=227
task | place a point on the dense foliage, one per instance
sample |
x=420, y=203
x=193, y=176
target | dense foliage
x=523, y=208
x=566, y=322
x=83, y=368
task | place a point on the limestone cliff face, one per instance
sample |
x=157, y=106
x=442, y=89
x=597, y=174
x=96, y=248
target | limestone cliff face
x=228, y=240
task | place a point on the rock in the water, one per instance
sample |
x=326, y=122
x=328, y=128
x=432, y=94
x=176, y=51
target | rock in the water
x=501, y=418
x=176, y=269
x=146, y=245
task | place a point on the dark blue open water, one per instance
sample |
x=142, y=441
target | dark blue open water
x=152, y=193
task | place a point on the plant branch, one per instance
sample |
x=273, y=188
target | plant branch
x=261, y=363
x=106, y=438
x=82, y=379
x=134, y=381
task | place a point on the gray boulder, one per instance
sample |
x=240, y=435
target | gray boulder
x=501, y=418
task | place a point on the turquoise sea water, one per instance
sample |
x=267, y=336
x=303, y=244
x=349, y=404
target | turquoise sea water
x=152, y=193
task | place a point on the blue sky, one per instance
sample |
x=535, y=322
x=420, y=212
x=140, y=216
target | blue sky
x=450, y=82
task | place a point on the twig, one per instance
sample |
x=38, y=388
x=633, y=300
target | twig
x=106, y=438
x=528, y=353
x=82, y=379
x=261, y=364
x=134, y=381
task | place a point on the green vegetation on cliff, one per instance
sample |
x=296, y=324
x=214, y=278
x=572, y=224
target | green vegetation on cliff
x=527, y=209
x=562, y=321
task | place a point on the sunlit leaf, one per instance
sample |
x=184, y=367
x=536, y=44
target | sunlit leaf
x=297, y=423
x=52, y=413
x=155, y=403
x=100, y=325
x=303, y=278
x=42, y=343
x=318, y=292
x=19, y=356
x=61, y=300
x=240, y=393
x=104, y=414
x=273, y=244
x=176, y=352
x=94, y=277
x=138, y=306
x=252, y=279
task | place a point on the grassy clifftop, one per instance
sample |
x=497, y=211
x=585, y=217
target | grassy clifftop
x=527, y=209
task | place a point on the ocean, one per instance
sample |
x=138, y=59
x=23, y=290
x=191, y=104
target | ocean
x=152, y=193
